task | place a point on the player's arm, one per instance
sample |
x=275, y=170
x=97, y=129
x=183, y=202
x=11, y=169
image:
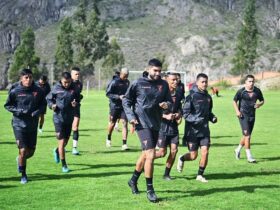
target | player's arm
x=212, y=117
x=261, y=100
x=236, y=100
x=187, y=112
x=41, y=106
x=110, y=91
x=128, y=102
x=51, y=99
x=11, y=106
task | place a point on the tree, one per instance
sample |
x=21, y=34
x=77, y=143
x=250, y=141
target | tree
x=24, y=56
x=64, y=51
x=114, y=59
x=246, y=50
x=162, y=59
x=91, y=39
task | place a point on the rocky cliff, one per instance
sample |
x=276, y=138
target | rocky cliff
x=195, y=35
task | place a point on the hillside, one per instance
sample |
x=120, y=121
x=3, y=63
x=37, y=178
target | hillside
x=194, y=35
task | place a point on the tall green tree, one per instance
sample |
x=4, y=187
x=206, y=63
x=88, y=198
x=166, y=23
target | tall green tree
x=64, y=51
x=247, y=41
x=24, y=56
x=162, y=58
x=114, y=59
x=91, y=38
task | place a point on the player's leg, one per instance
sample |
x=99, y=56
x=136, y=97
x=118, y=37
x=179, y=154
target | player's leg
x=248, y=142
x=162, y=145
x=205, y=145
x=170, y=160
x=41, y=122
x=114, y=116
x=124, y=131
x=75, y=128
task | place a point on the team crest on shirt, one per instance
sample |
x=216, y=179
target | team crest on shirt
x=35, y=94
x=159, y=88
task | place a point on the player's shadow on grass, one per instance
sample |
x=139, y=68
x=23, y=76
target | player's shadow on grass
x=53, y=136
x=268, y=159
x=201, y=192
x=92, y=129
x=7, y=142
x=6, y=186
x=232, y=145
x=238, y=175
x=109, y=151
x=220, y=137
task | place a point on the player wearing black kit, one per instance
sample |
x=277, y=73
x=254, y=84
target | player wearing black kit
x=197, y=112
x=245, y=105
x=62, y=100
x=26, y=101
x=143, y=104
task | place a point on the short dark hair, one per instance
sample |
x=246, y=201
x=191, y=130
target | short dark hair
x=24, y=72
x=201, y=75
x=179, y=75
x=169, y=73
x=66, y=75
x=249, y=76
x=117, y=73
x=44, y=78
x=145, y=74
x=155, y=62
x=75, y=68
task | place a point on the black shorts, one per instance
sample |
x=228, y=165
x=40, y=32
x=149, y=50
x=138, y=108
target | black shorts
x=63, y=131
x=44, y=110
x=148, y=138
x=25, y=139
x=165, y=140
x=116, y=114
x=196, y=142
x=77, y=112
x=247, y=125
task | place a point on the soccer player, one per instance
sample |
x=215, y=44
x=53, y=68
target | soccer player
x=245, y=105
x=181, y=85
x=26, y=101
x=115, y=92
x=43, y=84
x=143, y=104
x=75, y=75
x=169, y=133
x=63, y=100
x=197, y=112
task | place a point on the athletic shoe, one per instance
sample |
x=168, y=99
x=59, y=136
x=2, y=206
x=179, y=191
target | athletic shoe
x=133, y=187
x=23, y=180
x=201, y=179
x=56, y=156
x=251, y=160
x=167, y=177
x=75, y=151
x=108, y=143
x=124, y=147
x=65, y=169
x=180, y=164
x=237, y=154
x=40, y=130
x=152, y=196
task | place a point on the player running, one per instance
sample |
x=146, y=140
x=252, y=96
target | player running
x=143, y=104
x=62, y=100
x=169, y=133
x=26, y=101
x=245, y=105
x=197, y=112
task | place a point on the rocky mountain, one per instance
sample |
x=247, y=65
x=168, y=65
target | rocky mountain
x=194, y=35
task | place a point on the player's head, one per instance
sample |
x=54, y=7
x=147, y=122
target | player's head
x=172, y=80
x=43, y=80
x=154, y=69
x=66, y=79
x=26, y=77
x=75, y=73
x=124, y=73
x=202, y=81
x=179, y=77
x=249, y=81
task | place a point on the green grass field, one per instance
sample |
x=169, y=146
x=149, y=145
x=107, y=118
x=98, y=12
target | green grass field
x=99, y=176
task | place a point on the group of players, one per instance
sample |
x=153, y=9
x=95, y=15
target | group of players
x=28, y=100
x=154, y=105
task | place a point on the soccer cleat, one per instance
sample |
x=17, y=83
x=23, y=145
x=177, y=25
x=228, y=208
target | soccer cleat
x=133, y=187
x=108, y=143
x=40, y=130
x=124, y=147
x=56, y=156
x=152, y=196
x=180, y=164
x=251, y=160
x=201, y=179
x=237, y=154
x=23, y=180
x=65, y=169
x=75, y=151
x=167, y=177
